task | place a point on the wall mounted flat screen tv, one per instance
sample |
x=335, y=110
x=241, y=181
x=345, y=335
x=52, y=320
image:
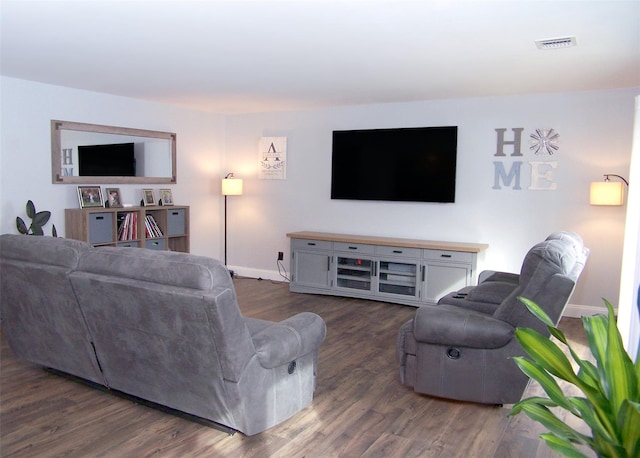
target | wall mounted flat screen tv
x=107, y=160
x=407, y=164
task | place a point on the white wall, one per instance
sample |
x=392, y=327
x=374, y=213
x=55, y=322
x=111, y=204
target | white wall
x=25, y=153
x=595, y=138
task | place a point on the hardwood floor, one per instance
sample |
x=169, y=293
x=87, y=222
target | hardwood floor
x=360, y=408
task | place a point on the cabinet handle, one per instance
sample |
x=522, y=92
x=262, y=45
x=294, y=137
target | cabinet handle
x=353, y=247
x=311, y=244
x=445, y=255
x=397, y=251
x=175, y=213
x=424, y=269
x=99, y=217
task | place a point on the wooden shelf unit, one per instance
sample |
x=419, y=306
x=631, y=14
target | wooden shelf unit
x=127, y=226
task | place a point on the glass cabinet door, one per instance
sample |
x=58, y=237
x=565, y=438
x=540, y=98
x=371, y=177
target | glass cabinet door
x=354, y=273
x=398, y=278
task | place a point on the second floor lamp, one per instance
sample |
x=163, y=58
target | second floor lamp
x=231, y=186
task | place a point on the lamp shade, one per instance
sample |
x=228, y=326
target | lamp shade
x=232, y=186
x=606, y=193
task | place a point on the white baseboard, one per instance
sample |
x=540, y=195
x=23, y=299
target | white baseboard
x=571, y=311
x=258, y=273
x=577, y=311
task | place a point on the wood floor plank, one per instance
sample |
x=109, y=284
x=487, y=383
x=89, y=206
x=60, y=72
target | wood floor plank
x=359, y=409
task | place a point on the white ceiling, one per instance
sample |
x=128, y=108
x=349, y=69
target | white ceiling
x=250, y=56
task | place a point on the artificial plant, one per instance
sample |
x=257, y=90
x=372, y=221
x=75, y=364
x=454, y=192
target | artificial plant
x=610, y=405
x=38, y=219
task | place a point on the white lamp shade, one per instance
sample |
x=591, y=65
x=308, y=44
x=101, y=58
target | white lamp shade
x=606, y=193
x=232, y=186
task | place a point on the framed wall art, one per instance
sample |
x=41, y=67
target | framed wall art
x=90, y=196
x=147, y=197
x=113, y=197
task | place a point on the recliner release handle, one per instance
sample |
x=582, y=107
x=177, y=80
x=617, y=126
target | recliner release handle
x=453, y=353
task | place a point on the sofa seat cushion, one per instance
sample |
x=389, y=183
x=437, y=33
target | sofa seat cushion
x=450, y=325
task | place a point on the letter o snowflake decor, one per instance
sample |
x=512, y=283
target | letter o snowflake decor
x=544, y=141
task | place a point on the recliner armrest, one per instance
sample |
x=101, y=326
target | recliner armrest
x=449, y=325
x=287, y=340
x=494, y=275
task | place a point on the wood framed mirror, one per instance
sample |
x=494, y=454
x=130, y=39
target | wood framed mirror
x=96, y=154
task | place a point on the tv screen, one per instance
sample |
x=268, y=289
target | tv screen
x=408, y=164
x=107, y=160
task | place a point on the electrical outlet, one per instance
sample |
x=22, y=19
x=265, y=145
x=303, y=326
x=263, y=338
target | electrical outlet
x=280, y=255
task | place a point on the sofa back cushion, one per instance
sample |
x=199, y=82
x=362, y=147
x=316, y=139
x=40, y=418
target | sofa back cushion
x=41, y=318
x=548, y=275
x=166, y=325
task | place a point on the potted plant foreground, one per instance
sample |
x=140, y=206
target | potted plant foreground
x=610, y=388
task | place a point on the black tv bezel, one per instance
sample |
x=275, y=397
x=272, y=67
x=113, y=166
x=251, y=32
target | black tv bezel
x=103, y=151
x=442, y=182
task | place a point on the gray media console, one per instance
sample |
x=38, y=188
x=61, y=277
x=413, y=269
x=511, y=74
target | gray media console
x=403, y=271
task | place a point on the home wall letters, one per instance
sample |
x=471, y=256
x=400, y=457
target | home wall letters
x=541, y=176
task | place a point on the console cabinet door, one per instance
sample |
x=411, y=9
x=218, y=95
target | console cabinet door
x=442, y=278
x=312, y=269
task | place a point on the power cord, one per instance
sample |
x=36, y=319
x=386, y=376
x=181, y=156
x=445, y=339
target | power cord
x=282, y=269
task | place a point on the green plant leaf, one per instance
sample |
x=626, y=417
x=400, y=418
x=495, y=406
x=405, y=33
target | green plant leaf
x=21, y=226
x=545, y=417
x=545, y=353
x=629, y=423
x=36, y=230
x=591, y=417
x=517, y=407
x=596, y=329
x=619, y=368
x=41, y=218
x=31, y=209
x=562, y=446
x=537, y=311
x=546, y=381
x=588, y=372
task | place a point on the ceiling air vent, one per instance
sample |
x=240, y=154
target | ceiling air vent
x=555, y=43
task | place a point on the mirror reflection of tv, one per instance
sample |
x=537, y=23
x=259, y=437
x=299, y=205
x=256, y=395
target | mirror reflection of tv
x=406, y=164
x=107, y=160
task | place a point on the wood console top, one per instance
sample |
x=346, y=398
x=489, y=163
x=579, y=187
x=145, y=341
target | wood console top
x=390, y=241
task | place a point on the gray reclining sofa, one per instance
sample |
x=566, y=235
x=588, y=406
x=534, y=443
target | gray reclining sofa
x=462, y=348
x=161, y=326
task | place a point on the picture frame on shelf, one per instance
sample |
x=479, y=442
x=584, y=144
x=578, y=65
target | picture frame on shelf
x=113, y=197
x=90, y=196
x=166, y=197
x=148, y=198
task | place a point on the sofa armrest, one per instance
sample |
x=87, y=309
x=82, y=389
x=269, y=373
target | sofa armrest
x=449, y=325
x=287, y=340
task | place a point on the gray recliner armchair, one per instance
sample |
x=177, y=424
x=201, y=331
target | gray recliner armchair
x=462, y=348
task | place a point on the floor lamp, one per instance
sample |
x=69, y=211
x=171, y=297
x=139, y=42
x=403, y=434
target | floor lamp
x=231, y=186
